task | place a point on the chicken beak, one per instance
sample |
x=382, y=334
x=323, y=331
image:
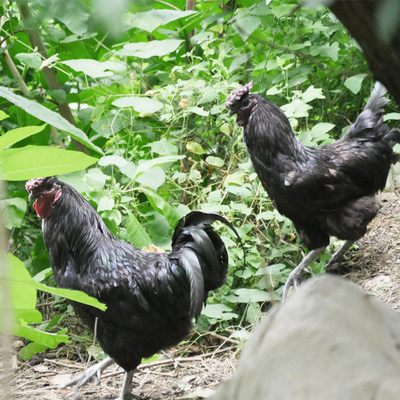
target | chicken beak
x=31, y=197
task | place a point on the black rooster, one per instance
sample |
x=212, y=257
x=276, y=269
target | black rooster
x=151, y=298
x=325, y=190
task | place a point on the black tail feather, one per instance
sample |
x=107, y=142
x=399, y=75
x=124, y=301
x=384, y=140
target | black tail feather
x=377, y=99
x=203, y=255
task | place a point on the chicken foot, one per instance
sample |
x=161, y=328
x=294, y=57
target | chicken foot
x=337, y=257
x=92, y=373
x=294, y=277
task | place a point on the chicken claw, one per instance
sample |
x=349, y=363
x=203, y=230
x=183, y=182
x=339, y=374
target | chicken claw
x=294, y=278
x=92, y=373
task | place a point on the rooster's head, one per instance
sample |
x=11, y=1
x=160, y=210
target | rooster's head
x=241, y=103
x=46, y=192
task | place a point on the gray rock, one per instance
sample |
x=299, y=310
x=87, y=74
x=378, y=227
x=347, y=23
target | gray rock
x=328, y=341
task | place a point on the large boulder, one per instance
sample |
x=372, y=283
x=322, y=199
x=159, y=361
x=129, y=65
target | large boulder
x=328, y=341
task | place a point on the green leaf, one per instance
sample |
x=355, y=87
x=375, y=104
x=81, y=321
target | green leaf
x=137, y=235
x=31, y=60
x=354, y=82
x=152, y=19
x=297, y=108
x=47, y=339
x=3, y=115
x=75, y=295
x=322, y=128
x=245, y=295
x=32, y=161
x=215, y=161
x=149, y=49
x=139, y=104
x=218, y=311
x=146, y=165
x=153, y=178
x=13, y=211
x=95, y=69
x=198, y=111
x=392, y=116
x=22, y=294
x=105, y=203
x=51, y=117
x=161, y=206
x=245, y=26
x=58, y=95
x=16, y=135
x=195, y=148
x=312, y=93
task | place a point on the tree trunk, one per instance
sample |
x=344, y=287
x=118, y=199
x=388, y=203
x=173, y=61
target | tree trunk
x=360, y=19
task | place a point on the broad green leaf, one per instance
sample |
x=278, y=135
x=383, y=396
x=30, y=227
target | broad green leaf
x=112, y=160
x=139, y=104
x=149, y=49
x=105, y=203
x=51, y=340
x=13, y=211
x=215, y=161
x=275, y=269
x=51, y=117
x=245, y=295
x=152, y=19
x=31, y=60
x=32, y=161
x=95, y=69
x=245, y=26
x=163, y=147
x=3, y=115
x=297, y=108
x=218, y=311
x=391, y=116
x=16, y=135
x=312, y=93
x=23, y=288
x=280, y=9
x=161, y=206
x=148, y=164
x=137, y=235
x=321, y=128
x=72, y=13
x=31, y=349
x=22, y=294
x=58, y=95
x=69, y=294
x=354, y=82
x=153, y=178
x=198, y=111
x=195, y=148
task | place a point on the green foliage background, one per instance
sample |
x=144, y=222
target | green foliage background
x=146, y=83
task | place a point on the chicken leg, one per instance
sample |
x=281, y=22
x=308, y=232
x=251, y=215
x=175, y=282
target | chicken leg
x=337, y=257
x=92, y=373
x=294, y=278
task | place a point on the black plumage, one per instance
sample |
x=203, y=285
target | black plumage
x=151, y=298
x=325, y=190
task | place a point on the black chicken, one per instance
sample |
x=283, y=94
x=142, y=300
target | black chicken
x=151, y=298
x=325, y=190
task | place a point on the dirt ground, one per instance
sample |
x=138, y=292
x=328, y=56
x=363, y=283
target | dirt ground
x=373, y=263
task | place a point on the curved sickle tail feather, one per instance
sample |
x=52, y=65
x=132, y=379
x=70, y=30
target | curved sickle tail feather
x=203, y=255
